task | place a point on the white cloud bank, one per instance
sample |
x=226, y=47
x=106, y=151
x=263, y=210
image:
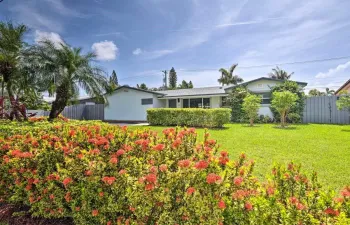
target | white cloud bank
x=334, y=71
x=105, y=50
x=152, y=54
x=51, y=36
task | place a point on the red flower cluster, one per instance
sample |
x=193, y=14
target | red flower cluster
x=159, y=147
x=67, y=181
x=238, y=181
x=201, y=165
x=184, y=163
x=190, y=190
x=294, y=201
x=224, y=159
x=331, y=212
x=108, y=180
x=213, y=178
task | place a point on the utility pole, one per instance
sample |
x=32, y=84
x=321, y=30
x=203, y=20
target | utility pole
x=165, y=79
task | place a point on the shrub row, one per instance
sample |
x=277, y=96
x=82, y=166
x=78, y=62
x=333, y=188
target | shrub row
x=103, y=174
x=189, y=117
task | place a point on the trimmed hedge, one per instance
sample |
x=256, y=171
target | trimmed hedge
x=189, y=117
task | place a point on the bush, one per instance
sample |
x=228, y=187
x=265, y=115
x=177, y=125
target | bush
x=188, y=117
x=294, y=118
x=251, y=105
x=102, y=174
x=235, y=101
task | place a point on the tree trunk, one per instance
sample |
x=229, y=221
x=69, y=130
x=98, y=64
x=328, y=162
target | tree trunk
x=251, y=122
x=282, y=119
x=62, y=97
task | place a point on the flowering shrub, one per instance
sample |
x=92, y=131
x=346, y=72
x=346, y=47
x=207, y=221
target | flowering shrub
x=102, y=174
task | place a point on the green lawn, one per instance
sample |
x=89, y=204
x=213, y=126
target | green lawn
x=323, y=148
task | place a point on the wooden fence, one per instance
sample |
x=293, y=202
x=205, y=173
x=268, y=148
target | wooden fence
x=323, y=109
x=83, y=112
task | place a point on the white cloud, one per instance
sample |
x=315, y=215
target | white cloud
x=334, y=71
x=152, y=54
x=105, y=50
x=51, y=36
x=137, y=51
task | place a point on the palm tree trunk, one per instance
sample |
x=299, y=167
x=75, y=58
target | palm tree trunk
x=282, y=119
x=60, y=102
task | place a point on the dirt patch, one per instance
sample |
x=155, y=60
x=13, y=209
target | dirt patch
x=6, y=216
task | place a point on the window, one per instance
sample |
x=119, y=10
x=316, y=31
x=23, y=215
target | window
x=266, y=98
x=147, y=101
x=196, y=103
x=172, y=103
x=206, y=103
x=185, y=103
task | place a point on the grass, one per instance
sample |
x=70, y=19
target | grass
x=321, y=148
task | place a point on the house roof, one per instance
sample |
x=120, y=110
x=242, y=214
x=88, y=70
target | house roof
x=265, y=78
x=343, y=86
x=218, y=90
x=137, y=89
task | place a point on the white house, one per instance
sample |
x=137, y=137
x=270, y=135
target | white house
x=128, y=104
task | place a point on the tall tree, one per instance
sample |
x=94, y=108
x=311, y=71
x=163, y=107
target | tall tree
x=142, y=86
x=190, y=84
x=227, y=76
x=183, y=85
x=172, y=78
x=11, y=45
x=315, y=92
x=329, y=92
x=113, y=80
x=67, y=69
x=280, y=74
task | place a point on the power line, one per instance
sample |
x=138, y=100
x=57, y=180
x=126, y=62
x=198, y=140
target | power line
x=248, y=67
x=276, y=64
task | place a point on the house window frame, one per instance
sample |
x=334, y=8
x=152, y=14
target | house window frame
x=147, y=101
x=202, y=104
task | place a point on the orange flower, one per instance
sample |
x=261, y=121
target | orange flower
x=248, y=206
x=159, y=147
x=191, y=190
x=113, y=160
x=201, y=165
x=221, y=204
x=108, y=180
x=212, y=178
x=67, y=181
x=94, y=212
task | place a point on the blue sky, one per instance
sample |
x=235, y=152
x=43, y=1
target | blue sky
x=139, y=38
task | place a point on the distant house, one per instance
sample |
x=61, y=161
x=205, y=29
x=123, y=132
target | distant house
x=345, y=87
x=128, y=104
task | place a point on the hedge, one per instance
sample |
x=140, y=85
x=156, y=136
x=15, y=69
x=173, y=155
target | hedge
x=102, y=174
x=189, y=117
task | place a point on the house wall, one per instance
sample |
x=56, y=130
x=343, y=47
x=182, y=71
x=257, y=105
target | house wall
x=215, y=102
x=346, y=89
x=125, y=105
x=262, y=85
x=265, y=110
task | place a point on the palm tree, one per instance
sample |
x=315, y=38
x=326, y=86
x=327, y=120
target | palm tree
x=65, y=69
x=280, y=74
x=329, y=92
x=11, y=45
x=227, y=77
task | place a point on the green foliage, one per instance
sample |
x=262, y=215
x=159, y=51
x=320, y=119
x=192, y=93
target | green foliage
x=235, y=101
x=189, y=117
x=142, y=86
x=315, y=92
x=250, y=106
x=293, y=87
x=282, y=102
x=185, y=85
x=227, y=76
x=97, y=173
x=113, y=80
x=172, y=79
x=66, y=67
x=343, y=103
x=280, y=74
x=294, y=118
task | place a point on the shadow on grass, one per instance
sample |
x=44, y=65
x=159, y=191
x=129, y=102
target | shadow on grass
x=345, y=130
x=254, y=126
x=286, y=128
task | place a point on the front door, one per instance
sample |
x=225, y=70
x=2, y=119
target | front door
x=172, y=103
